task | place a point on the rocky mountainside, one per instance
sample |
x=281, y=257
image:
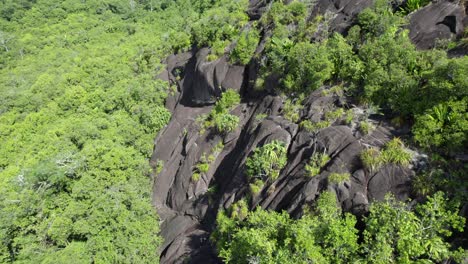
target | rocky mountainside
x=188, y=207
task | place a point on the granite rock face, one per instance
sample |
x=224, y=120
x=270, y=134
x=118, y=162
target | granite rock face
x=188, y=207
x=437, y=21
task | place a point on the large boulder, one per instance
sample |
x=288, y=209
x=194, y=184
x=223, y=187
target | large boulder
x=437, y=21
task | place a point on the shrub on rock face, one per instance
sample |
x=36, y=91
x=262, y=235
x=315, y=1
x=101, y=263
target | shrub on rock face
x=441, y=121
x=292, y=109
x=371, y=159
x=313, y=127
x=323, y=236
x=347, y=65
x=229, y=99
x=219, y=117
x=226, y=122
x=332, y=116
x=267, y=161
x=316, y=163
x=366, y=127
x=395, y=152
x=337, y=178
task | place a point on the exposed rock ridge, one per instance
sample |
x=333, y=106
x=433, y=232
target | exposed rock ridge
x=188, y=207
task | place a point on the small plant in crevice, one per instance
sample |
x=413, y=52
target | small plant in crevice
x=260, y=117
x=239, y=209
x=267, y=161
x=256, y=186
x=413, y=5
x=334, y=115
x=395, y=152
x=366, y=127
x=219, y=117
x=337, y=90
x=218, y=148
x=211, y=190
x=349, y=117
x=314, y=127
x=371, y=158
x=292, y=109
x=211, y=193
x=202, y=167
x=316, y=163
x=337, y=178
x=158, y=167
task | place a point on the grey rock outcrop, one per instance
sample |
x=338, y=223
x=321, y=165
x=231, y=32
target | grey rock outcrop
x=188, y=207
x=203, y=81
x=437, y=21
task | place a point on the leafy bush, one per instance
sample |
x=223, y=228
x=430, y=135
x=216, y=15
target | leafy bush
x=347, y=65
x=308, y=68
x=218, y=48
x=444, y=174
x=239, y=210
x=220, y=24
x=420, y=233
x=441, y=115
x=423, y=184
x=267, y=160
x=280, y=15
x=444, y=126
x=245, y=46
x=394, y=232
x=270, y=237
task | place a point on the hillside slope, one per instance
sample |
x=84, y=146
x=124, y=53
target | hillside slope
x=338, y=126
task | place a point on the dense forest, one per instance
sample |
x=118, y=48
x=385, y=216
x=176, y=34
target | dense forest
x=82, y=101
